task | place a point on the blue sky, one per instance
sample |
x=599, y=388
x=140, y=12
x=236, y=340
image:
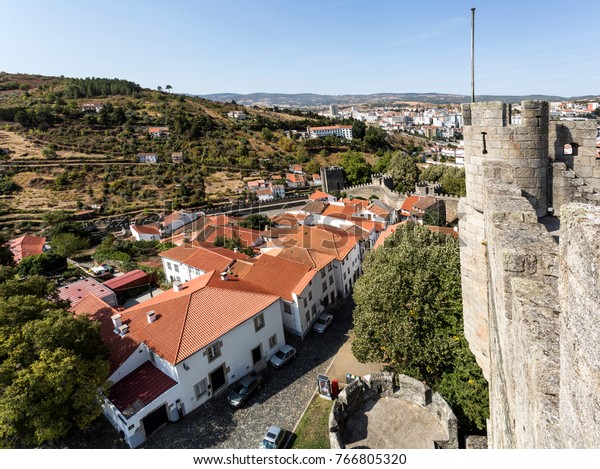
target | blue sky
x=312, y=46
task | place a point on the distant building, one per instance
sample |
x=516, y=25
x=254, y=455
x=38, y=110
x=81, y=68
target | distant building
x=91, y=107
x=239, y=115
x=25, y=246
x=344, y=131
x=145, y=232
x=177, y=157
x=147, y=158
x=76, y=292
x=159, y=132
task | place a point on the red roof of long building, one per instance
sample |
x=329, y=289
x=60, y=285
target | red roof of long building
x=25, y=246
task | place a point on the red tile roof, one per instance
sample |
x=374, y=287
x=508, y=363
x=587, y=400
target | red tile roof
x=25, y=246
x=202, y=257
x=77, y=291
x=194, y=317
x=146, y=229
x=296, y=178
x=319, y=195
x=288, y=219
x=249, y=237
x=120, y=348
x=315, y=259
x=139, y=388
x=280, y=276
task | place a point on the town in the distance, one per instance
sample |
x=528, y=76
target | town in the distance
x=178, y=272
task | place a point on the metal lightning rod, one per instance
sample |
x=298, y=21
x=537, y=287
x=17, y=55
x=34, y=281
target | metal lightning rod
x=472, y=55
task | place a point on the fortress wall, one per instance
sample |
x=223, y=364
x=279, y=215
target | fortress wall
x=523, y=322
x=580, y=326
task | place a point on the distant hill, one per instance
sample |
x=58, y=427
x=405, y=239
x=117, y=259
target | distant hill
x=308, y=100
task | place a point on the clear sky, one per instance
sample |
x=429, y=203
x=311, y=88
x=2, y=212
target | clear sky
x=310, y=46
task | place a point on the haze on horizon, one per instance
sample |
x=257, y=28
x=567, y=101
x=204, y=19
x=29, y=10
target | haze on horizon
x=326, y=47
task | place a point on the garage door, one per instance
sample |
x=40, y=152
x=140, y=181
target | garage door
x=155, y=420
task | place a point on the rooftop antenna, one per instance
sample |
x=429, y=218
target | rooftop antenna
x=472, y=55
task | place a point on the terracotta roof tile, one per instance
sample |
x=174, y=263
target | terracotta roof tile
x=146, y=229
x=25, y=246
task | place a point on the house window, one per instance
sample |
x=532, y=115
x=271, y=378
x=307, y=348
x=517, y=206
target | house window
x=200, y=389
x=331, y=280
x=307, y=316
x=213, y=351
x=169, y=266
x=329, y=268
x=322, y=273
x=304, y=302
x=287, y=307
x=324, y=286
x=273, y=341
x=176, y=267
x=310, y=296
x=259, y=322
x=313, y=311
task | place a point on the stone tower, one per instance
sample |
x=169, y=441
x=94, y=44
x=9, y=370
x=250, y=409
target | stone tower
x=530, y=290
x=332, y=178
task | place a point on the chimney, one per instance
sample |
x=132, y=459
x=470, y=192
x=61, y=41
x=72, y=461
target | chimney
x=177, y=286
x=224, y=275
x=235, y=249
x=151, y=315
x=123, y=329
x=116, y=319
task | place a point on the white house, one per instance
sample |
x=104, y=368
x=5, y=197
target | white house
x=190, y=260
x=305, y=288
x=174, y=352
x=145, y=232
x=147, y=158
x=178, y=219
x=344, y=131
x=379, y=212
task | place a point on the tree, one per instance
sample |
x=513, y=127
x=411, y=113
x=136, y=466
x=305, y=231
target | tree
x=42, y=264
x=359, y=129
x=255, y=222
x=356, y=168
x=376, y=139
x=313, y=167
x=159, y=88
x=404, y=171
x=67, y=244
x=409, y=315
x=6, y=255
x=168, y=88
x=52, y=365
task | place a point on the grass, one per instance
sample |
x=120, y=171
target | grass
x=312, y=431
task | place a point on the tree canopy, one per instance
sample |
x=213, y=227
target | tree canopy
x=52, y=365
x=405, y=172
x=356, y=168
x=409, y=315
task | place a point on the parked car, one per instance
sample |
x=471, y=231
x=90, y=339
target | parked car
x=244, y=388
x=282, y=356
x=323, y=322
x=273, y=439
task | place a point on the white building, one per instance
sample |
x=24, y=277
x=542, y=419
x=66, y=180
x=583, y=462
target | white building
x=344, y=131
x=174, y=352
x=145, y=232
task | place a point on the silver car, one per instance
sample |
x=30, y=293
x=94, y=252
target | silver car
x=323, y=322
x=273, y=439
x=282, y=356
x=242, y=390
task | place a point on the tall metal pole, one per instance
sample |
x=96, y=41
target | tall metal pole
x=472, y=55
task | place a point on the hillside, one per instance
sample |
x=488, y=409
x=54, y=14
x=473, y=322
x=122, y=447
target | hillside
x=57, y=154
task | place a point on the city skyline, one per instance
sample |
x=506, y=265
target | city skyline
x=329, y=47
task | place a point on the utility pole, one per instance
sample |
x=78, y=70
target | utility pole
x=472, y=55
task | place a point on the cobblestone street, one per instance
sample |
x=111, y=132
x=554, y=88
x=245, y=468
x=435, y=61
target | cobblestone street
x=281, y=401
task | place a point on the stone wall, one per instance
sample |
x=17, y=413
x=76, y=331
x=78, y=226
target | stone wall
x=378, y=385
x=530, y=296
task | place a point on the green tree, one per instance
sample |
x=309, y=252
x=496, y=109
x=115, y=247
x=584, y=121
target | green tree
x=42, y=264
x=255, y=221
x=404, y=171
x=359, y=129
x=356, y=168
x=6, y=255
x=376, y=139
x=313, y=167
x=67, y=244
x=409, y=315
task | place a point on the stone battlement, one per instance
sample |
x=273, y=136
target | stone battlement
x=530, y=291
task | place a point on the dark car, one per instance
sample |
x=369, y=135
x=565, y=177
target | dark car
x=273, y=438
x=282, y=356
x=244, y=388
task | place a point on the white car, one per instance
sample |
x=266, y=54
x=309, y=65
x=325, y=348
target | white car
x=323, y=322
x=282, y=356
x=273, y=439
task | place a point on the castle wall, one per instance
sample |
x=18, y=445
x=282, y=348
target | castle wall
x=530, y=305
x=580, y=326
